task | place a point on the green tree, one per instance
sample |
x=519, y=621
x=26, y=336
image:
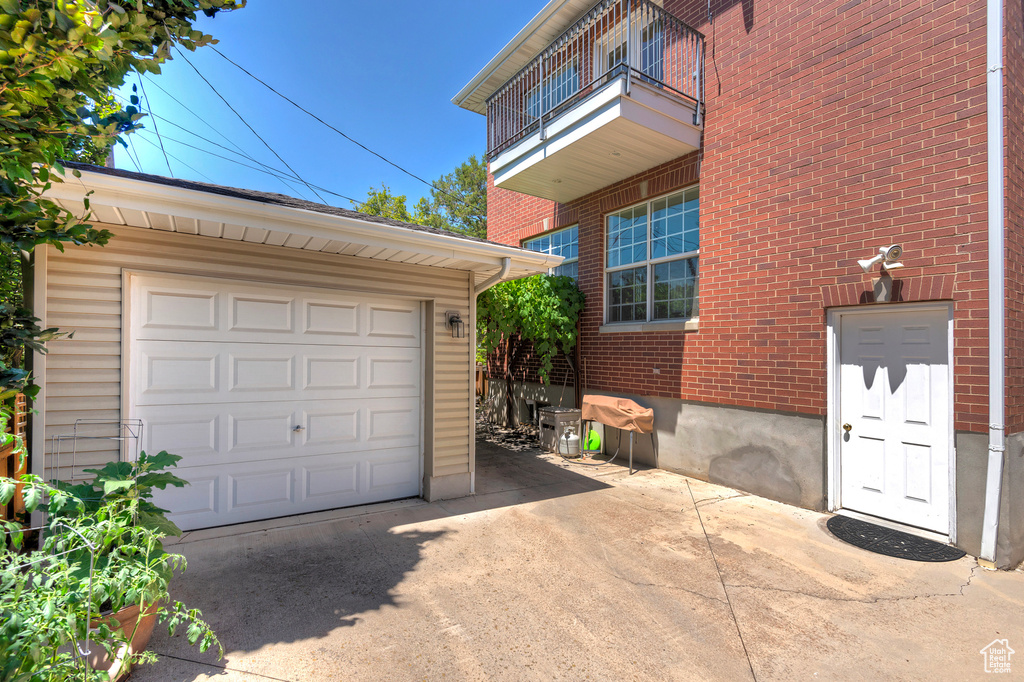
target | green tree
x=385, y=204
x=541, y=312
x=457, y=203
x=60, y=60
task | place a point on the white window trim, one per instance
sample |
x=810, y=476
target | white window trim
x=649, y=324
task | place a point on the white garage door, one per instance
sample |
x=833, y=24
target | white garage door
x=280, y=400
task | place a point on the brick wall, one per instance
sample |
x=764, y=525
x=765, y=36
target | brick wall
x=832, y=128
x=1014, y=128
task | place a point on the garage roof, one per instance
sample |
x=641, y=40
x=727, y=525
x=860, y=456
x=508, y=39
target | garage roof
x=155, y=202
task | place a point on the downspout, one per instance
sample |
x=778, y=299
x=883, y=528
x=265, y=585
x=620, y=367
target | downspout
x=996, y=285
x=506, y=266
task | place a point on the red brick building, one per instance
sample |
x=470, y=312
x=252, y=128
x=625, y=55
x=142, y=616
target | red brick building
x=720, y=184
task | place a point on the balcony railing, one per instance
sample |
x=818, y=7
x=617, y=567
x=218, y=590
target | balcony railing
x=635, y=38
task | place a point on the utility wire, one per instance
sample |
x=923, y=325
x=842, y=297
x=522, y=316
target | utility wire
x=204, y=121
x=355, y=142
x=129, y=149
x=241, y=152
x=247, y=124
x=157, y=130
x=279, y=174
x=272, y=172
x=195, y=170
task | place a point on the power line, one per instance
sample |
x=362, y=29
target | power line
x=280, y=175
x=147, y=141
x=247, y=124
x=241, y=152
x=355, y=142
x=157, y=130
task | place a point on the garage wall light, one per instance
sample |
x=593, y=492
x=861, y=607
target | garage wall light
x=453, y=321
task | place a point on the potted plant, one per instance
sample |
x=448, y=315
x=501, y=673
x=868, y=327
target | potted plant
x=102, y=556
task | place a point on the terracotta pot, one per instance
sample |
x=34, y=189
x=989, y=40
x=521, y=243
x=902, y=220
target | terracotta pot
x=139, y=630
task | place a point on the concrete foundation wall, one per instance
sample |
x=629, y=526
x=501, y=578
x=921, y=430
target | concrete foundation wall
x=770, y=454
x=774, y=455
x=971, y=472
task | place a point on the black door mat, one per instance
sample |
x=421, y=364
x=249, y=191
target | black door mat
x=889, y=542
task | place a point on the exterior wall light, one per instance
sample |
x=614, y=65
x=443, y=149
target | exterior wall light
x=453, y=321
x=888, y=256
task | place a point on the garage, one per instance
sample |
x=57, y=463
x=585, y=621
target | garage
x=280, y=400
x=298, y=357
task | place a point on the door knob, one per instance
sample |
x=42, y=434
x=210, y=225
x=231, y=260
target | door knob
x=847, y=427
x=299, y=428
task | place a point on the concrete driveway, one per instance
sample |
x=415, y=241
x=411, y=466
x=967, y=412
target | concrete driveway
x=555, y=571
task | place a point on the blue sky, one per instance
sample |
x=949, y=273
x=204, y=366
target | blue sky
x=383, y=73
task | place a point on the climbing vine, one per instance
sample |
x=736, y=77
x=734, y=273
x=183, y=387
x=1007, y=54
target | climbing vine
x=541, y=312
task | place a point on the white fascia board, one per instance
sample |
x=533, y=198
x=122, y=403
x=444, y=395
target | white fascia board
x=130, y=193
x=504, y=55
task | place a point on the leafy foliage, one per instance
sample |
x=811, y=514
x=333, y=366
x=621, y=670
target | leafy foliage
x=20, y=331
x=385, y=204
x=542, y=310
x=102, y=551
x=457, y=203
x=59, y=63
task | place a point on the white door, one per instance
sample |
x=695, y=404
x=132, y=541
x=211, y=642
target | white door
x=281, y=400
x=894, y=411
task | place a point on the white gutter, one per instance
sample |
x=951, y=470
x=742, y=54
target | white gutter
x=506, y=265
x=996, y=284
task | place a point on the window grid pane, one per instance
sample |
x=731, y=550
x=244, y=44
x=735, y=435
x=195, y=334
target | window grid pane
x=627, y=236
x=675, y=290
x=563, y=243
x=674, y=230
x=627, y=295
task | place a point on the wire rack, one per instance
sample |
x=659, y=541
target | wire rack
x=126, y=434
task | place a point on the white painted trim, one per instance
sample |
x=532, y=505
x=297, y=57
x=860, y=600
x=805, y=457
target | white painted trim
x=140, y=195
x=37, y=448
x=690, y=325
x=472, y=385
x=127, y=409
x=834, y=317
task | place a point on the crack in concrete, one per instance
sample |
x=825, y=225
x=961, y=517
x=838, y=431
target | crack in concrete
x=876, y=600
x=674, y=588
x=708, y=501
x=220, y=666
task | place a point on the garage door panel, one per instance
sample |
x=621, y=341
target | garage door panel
x=173, y=309
x=268, y=314
x=237, y=433
x=272, y=488
x=174, y=373
x=281, y=400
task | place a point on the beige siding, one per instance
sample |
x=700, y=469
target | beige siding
x=83, y=374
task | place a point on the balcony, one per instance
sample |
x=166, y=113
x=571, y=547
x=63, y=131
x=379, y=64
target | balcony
x=619, y=91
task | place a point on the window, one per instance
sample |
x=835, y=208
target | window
x=647, y=55
x=556, y=88
x=563, y=243
x=651, y=259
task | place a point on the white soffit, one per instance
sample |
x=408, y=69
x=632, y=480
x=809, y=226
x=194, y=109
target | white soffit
x=542, y=30
x=131, y=202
